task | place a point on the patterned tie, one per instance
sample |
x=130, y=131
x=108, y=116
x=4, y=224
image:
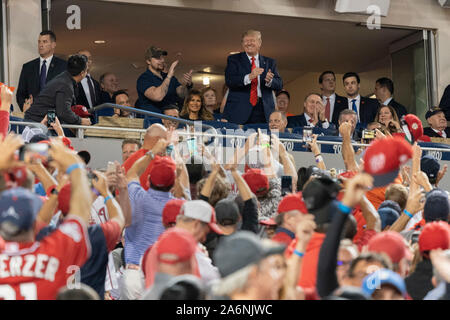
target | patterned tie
x=327, y=109
x=91, y=91
x=43, y=75
x=254, y=84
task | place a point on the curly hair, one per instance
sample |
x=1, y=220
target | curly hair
x=203, y=114
x=220, y=191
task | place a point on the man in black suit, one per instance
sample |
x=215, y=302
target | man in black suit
x=252, y=80
x=365, y=108
x=313, y=114
x=445, y=102
x=88, y=90
x=437, y=124
x=384, y=89
x=333, y=102
x=36, y=73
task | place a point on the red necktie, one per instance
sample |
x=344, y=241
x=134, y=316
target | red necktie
x=440, y=133
x=254, y=84
x=327, y=109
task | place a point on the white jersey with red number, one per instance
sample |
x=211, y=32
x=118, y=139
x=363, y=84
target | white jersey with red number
x=37, y=270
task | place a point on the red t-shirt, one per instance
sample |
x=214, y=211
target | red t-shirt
x=112, y=232
x=4, y=122
x=282, y=237
x=132, y=159
x=37, y=270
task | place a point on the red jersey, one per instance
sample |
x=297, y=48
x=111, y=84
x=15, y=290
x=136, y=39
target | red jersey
x=37, y=270
x=143, y=179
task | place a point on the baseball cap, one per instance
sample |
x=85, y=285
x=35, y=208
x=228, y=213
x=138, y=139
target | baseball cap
x=18, y=210
x=257, y=181
x=412, y=127
x=183, y=287
x=163, y=170
x=318, y=195
x=390, y=243
x=156, y=52
x=227, y=212
x=389, y=212
x=81, y=111
x=430, y=165
x=29, y=133
x=432, y=112
x=268, y=222
x=15, y=177
x=175, y=245
x=437, y=206
x=383, y=158
x=64, y=199
x=203, y=211
x=435, y=235
x=171, y=211
x=242, y=249
x=85, y=155
x=291, y=202
x=348, y=293
x=381, y=277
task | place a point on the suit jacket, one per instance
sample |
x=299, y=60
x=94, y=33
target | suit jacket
x=430, y=132
x=340, y=103
x=300, y=121
x=445, y=102
x=29, y=78
x=368, y=110
x=80, y=95
x=238, y=108
x=400, y=109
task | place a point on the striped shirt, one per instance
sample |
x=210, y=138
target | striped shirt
x=146, y=224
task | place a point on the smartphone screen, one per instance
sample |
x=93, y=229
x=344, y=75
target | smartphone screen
x=51, y=115
x=169, y=149
x=286, y=185
x=33, y=151
x=192, y=146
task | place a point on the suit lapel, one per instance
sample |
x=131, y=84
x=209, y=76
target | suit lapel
x=37, y=71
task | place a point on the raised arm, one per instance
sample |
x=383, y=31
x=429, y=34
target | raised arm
x=209, y=183
x=348, y=154
x=316, y=151
x=158, y=93
x=413, y=205
x=122, y=197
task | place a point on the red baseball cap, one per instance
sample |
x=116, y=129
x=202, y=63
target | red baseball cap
x=163, y=171
x=268, y=222
x=15, y=177
x=383, y=158
x=203, y=211
x=412, y=127
x=257, y=181
x=435, y=235
x=64, y=199
x=171, y=211
x=81, y=111
x=291, y=202
x=391, y=243
x=175, y=245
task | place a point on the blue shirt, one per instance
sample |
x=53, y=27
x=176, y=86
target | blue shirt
x=146, y=223
x=147, y=80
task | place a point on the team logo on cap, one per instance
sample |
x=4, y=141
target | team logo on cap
x=377, y=162
x=11, y=212
x=415, y=126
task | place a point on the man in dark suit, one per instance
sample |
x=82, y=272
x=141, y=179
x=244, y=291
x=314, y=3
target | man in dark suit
x=313, y=114
x=36, y=73
x=437, y=124
x=384, y=89
x=333, y=102
x=445, y=102
x=365, y=108
x=252, y=80
x=88, y=90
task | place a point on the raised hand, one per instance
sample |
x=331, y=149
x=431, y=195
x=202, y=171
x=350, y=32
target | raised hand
x=269, y=76
x=355, y=188
x=9, y=146
x=172, y=68
x=345, y=129
x=255, y=73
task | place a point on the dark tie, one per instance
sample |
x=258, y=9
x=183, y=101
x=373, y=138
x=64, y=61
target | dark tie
x=43, y=75
x=91, y=91
x=253, y=88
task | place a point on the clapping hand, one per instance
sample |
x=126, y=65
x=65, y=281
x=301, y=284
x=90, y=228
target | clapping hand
x=269, y=76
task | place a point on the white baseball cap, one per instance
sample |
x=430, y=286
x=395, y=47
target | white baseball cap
x=203, y=211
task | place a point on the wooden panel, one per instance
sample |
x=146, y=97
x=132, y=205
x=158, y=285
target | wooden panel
x=121, y=122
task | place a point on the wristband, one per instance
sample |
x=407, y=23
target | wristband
x=267, y=145
x=107, y=198
x=319, y=159
x=317, y=155
x=408, y=213
x=300, y=254
x=73, y=167
x=342, y=207
x=51, y=190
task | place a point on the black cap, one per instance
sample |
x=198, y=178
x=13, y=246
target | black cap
x=432, y=112
x=227, y=212
x=430, y=166
x=157, y=52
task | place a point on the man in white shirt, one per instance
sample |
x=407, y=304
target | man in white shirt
x=88, y=94
x=333, y=102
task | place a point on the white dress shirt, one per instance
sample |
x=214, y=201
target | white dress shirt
x=358, y=101
x=444, y=135
x=325, y=124
x=247, y=77
x=47, y=64
x=85, y=85
x=386, y=103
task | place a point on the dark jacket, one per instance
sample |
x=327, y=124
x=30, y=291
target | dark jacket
x=340, y=103
x=368, y=110
x=29, y=78
x=399, y=109
x=300, y=121
x=238, y=108
x=57, y=95
x=445, y=102
x=80, y=95
x=430, y=132
x=419, y=282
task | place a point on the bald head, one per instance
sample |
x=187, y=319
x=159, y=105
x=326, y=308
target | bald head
x=155, y=132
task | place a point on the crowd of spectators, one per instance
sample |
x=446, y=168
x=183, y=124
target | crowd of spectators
x=165, y=226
